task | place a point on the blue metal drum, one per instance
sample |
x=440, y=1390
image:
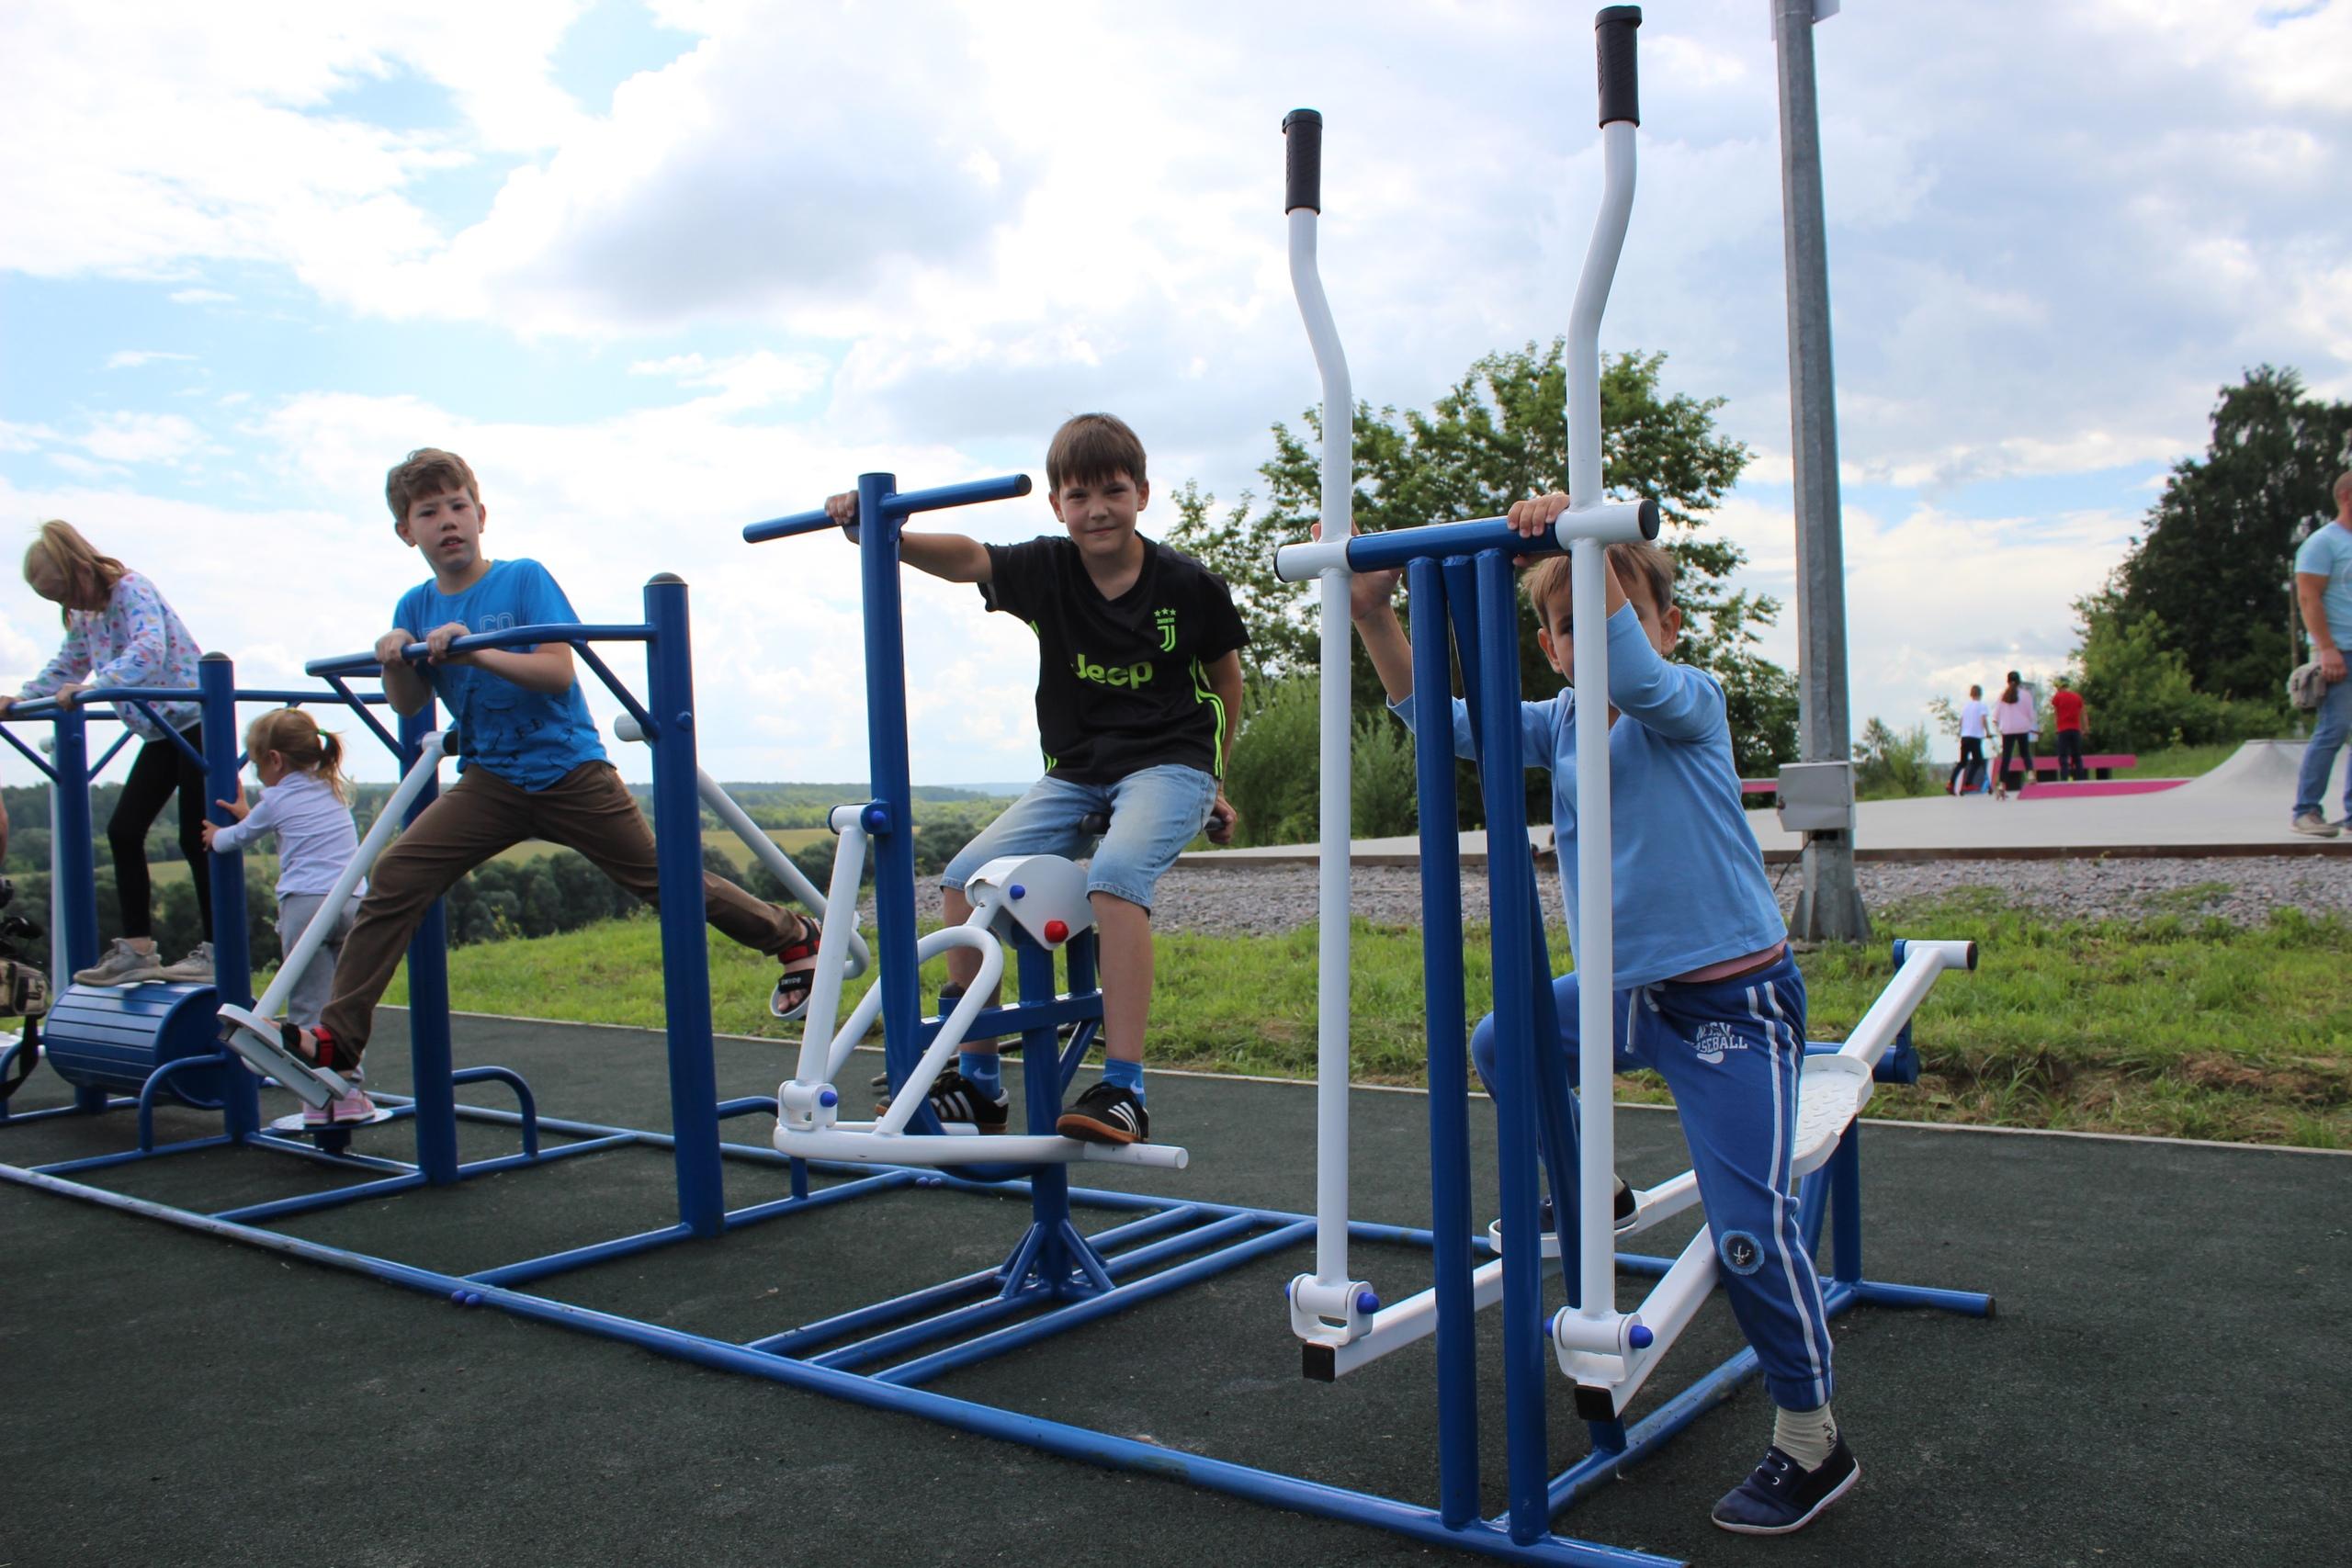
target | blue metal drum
x=114, y=1037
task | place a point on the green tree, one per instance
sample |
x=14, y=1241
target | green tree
x=2214, y=565
x=1497, y=435
x=2138, y=692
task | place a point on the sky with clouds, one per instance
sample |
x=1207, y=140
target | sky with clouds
x=662, y=268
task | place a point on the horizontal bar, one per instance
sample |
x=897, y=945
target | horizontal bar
x=132, y=1156
x=969, y=494
x=794, y=1341
x=1103, y=1305
x=297, y=699
x=580, y=1256
x=753, y=1214
x=1613, y=523
x=510, y=636
x=309, y=1202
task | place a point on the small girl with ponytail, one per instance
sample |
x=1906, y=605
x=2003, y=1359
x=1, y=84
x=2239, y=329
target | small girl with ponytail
x=306, y=802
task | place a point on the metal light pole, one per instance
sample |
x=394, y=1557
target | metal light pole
x=1830, y=905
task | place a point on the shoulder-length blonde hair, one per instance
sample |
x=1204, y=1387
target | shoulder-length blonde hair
x=87, y=577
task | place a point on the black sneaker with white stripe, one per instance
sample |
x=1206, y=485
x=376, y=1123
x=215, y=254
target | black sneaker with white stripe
x=954, y=1097
x=1106, y=1113
x=1783, y=1496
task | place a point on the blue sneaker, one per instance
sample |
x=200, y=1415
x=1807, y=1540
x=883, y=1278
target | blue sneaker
x=1781, y=1497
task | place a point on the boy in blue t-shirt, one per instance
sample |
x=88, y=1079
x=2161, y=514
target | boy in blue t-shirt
x=1707, y=994
x=530, y=765
x=2323, y=592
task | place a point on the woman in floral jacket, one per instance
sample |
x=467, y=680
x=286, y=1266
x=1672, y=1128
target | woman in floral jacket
x=118, y=632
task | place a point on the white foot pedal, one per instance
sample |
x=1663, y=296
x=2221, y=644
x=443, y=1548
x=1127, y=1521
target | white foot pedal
x=255, y=1039
x=1831, y=1091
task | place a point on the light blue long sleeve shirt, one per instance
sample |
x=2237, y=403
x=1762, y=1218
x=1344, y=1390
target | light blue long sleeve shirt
x=1688, y=883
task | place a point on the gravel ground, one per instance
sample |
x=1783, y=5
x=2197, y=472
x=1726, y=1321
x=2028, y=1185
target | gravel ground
x=2244, y=890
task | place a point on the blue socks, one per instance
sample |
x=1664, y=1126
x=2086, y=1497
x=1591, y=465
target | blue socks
x=1127, y=1076
x=982, y=1071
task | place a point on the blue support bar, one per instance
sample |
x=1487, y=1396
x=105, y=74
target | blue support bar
x=233, y=973
x=685, y=943
x=621, y=693
x=1509, y=879
x=528, y=1102
x=174, y=736
x=430, y=1056
x=77, y=858
x=30, y=754
x=1446, y=1019
x=1845, y=1173
x=359, y=705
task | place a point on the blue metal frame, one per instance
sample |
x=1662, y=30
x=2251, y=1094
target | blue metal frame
x=1055, y=1279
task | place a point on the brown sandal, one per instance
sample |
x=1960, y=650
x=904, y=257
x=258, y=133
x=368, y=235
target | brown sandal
x=798, y=981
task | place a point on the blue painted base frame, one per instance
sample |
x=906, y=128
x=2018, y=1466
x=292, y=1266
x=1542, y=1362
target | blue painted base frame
x=879, y=1355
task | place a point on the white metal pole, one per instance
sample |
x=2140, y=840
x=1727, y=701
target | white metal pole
x=1595, y=955
x=1304, y=199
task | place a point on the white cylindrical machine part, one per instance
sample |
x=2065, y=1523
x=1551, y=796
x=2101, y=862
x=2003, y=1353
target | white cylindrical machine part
x=387, y=823
x=951, y=1033
x=1595, y=954
x=1309, y=559
x=1331, y=1054
x=1922, y=963
x=825, y=994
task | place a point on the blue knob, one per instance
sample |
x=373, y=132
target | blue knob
x=1017, y=890
x=828, y=1099
x=1639, y=1338
x=876, y=818
x=1551, y=1326
x=1366, y=1301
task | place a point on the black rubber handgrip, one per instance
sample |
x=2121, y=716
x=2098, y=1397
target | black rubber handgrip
x=1302, y=161
x=1613, y=37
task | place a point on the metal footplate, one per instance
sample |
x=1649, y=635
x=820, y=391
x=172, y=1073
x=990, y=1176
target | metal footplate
x=255, y=1039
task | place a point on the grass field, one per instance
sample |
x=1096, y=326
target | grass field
x=2173, y=1026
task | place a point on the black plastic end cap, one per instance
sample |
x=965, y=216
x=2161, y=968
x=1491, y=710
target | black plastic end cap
x=663, y=579
x=1972, y=958
x=1613, y=40
x=214, y=658
x=1318, y=1363
x=1649, y=519
x=1595, y=1404
x=1303, y=161
x=1025, y=486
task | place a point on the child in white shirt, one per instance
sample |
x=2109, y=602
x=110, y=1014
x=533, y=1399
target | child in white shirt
x=306, y=802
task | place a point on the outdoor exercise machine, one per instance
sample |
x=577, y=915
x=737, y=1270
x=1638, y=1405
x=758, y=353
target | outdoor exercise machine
x=1462, y=603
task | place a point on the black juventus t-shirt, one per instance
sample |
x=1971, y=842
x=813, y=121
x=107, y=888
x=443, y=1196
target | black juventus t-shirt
x=1121, y=683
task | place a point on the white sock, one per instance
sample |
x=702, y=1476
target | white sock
x=1805, y=1436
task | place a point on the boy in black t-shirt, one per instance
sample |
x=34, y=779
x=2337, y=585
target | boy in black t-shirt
x=1138, y=690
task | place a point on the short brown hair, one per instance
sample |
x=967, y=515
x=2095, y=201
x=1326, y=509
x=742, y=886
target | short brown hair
x=428, y=471
x=87, y=577
x=1637, y=560
x=1092, y=448
x=2344, y=487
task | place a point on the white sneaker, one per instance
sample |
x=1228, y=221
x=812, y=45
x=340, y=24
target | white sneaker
x=196, y=969
x=122, y=965
x=2311, y=824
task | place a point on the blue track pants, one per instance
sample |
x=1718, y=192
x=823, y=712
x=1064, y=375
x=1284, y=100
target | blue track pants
x=1731, y=1051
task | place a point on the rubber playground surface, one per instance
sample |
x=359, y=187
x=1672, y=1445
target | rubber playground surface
x=2239, y=809
x=2165, y=1380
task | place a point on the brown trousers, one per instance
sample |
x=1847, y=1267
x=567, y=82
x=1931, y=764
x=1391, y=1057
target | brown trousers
x=588, y=809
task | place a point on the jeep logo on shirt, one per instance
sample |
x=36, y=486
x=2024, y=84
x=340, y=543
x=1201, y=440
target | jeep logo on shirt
x=1135, y=674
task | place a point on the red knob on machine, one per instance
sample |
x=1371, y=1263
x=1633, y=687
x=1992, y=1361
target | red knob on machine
x=1056, y=931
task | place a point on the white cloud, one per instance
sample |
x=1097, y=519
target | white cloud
x=200, y=297
x=132, y=358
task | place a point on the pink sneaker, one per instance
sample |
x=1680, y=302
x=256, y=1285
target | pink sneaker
x=353, y=1107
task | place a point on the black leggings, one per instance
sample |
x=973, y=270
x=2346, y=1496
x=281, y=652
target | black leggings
x=1972, y=749
x=2022, y=746
x=160, y=770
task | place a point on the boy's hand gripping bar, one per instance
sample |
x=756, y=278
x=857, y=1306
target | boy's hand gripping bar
x=970, y=493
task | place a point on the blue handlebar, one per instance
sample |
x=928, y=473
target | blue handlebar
x=970, y=493
x=366, y=663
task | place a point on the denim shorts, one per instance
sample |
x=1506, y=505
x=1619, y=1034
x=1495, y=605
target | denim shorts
x=1154, y=814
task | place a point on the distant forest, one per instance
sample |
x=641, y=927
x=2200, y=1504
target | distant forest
x=531, y=892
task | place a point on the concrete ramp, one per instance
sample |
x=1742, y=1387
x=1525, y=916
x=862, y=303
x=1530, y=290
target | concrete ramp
x=2239, y=809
